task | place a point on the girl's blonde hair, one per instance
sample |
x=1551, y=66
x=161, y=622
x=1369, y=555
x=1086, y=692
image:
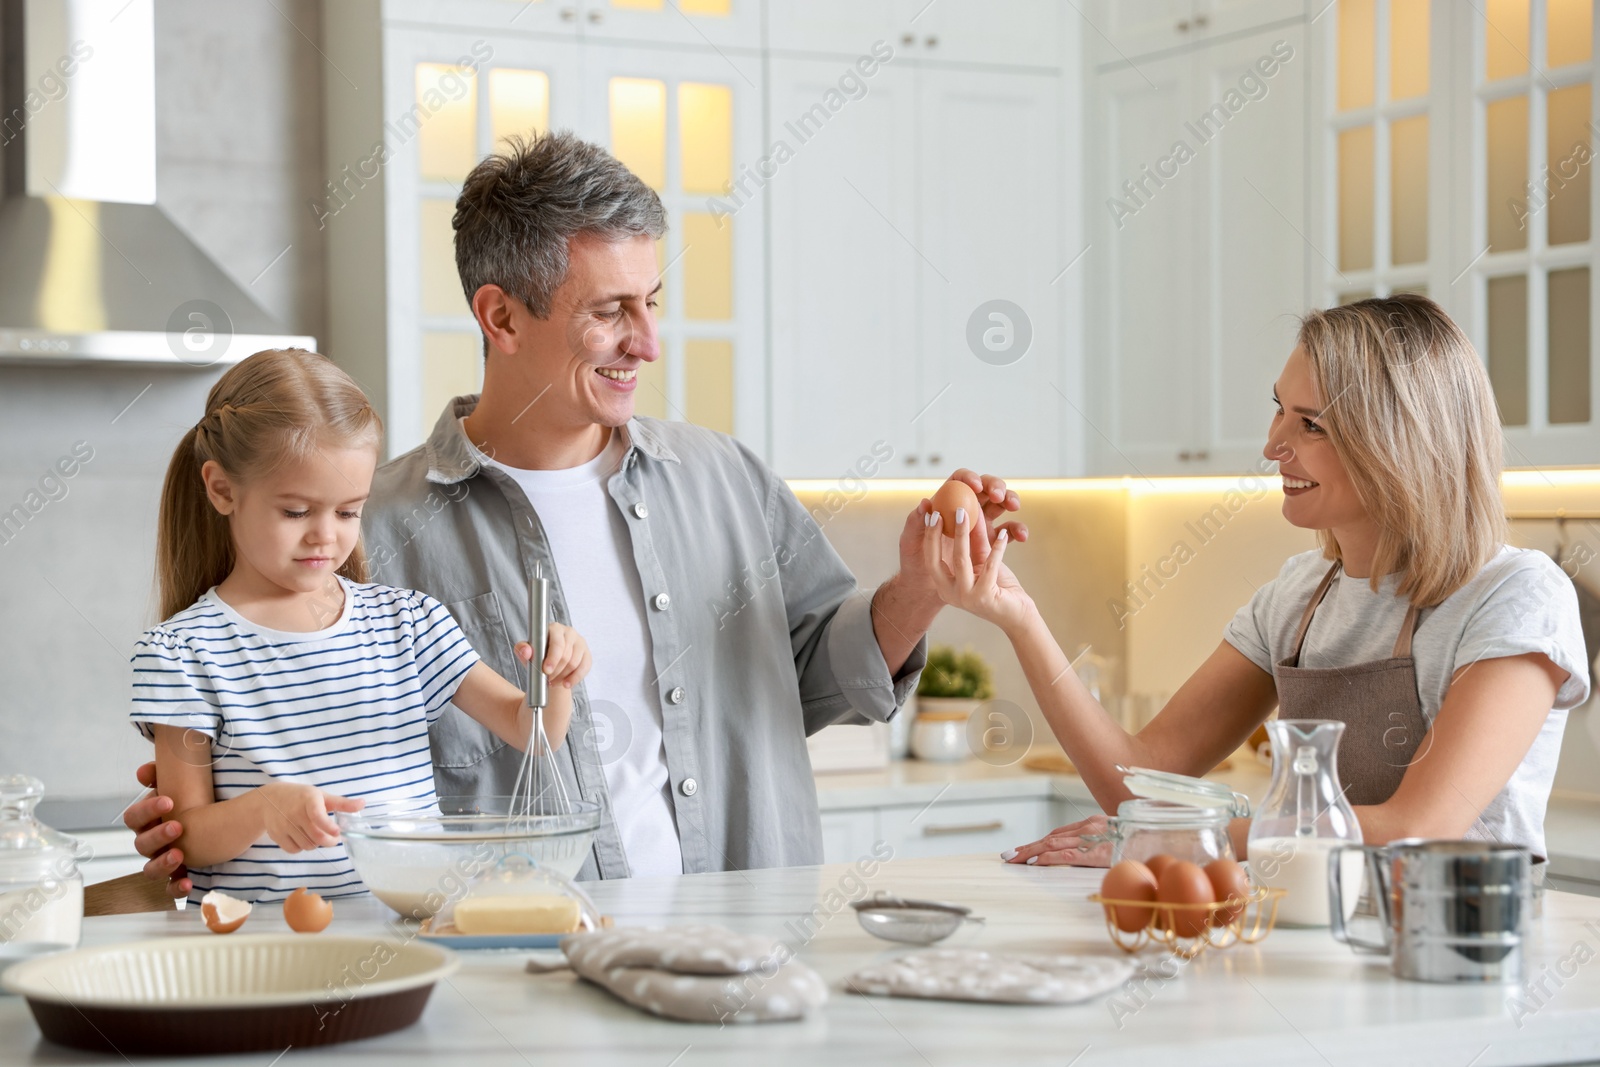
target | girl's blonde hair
x=275, y=406
x=1411, y=414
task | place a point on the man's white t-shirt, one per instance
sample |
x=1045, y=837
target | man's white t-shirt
x=594, y=559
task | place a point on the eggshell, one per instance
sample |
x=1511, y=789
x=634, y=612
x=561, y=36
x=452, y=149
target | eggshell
x=1185, y=883
x=1129, y=880
x=1228, y=881
x=1158, y=863
x=307, y=913
x=223, y=914
x=951, y=495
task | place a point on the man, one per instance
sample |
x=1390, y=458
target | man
x=724, y=627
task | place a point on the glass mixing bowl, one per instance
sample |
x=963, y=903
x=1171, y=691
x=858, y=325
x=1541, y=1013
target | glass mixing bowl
x=418, y=856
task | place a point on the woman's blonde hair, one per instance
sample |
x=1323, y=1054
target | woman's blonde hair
x=275, y=406
x=1411, y=414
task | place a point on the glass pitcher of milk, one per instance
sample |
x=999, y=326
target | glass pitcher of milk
x=41, y=891
x=1302, y=820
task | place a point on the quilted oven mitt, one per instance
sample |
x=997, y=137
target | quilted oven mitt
x=699, y=974
x=970, y=974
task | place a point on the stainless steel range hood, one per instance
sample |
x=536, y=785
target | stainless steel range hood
x=90, y=268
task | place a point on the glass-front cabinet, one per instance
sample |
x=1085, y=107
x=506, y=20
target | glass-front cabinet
x=1456, y=159
x=459, y=80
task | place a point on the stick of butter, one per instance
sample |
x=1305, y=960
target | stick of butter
x=528, y=913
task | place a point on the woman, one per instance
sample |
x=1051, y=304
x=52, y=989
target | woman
x=1414, y=613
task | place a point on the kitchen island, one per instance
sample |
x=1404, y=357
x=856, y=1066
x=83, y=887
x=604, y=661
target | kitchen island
x=1296, y=998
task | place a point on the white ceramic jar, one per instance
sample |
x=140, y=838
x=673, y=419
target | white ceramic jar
x=940, y=733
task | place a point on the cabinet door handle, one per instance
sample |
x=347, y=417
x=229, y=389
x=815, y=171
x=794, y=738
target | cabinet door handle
x=597, y=17
x=931, y=41
x=568, y=14
x=1202, y=454
x=1200, y=22
x=935, y=459
x=1185, y=455
x=911, y=461
x=908, y=39
x=1183, y=25
x=964, y=828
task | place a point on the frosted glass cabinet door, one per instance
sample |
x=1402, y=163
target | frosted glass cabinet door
x=990, y=230
x=845, y=337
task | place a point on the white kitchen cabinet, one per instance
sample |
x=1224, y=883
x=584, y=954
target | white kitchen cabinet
x=1130, y=29
x=1198, y=203
x=1006, y=33
x=943, y=828
x=722, y=24
x=934, y=193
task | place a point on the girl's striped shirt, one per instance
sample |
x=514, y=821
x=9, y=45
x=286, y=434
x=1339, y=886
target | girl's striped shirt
x=345, y=708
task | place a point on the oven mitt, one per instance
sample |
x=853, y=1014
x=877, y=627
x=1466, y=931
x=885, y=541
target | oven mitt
x=968, y=974
x=700, y=974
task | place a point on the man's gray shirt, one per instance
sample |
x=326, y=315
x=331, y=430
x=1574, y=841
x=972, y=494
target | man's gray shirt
x=761, y=637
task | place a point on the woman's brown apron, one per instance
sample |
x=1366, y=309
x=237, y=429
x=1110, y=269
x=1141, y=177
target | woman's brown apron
x=1377, y=702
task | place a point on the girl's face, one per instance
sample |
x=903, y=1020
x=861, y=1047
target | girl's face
x=296, y=525
x=1317, y=493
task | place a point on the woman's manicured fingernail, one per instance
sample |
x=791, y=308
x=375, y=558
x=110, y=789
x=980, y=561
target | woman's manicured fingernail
x=1032, y=860
x=1009, y=854
x=961, y=516
x=931, y=519
x=1003, y=537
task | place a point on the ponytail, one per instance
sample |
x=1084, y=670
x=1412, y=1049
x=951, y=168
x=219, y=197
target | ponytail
x=273, y=406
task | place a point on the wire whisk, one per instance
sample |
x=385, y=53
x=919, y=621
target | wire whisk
x=539, y=791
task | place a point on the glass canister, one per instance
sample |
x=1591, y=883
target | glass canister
x=41, y=891
x=1304, y=817
x=1176, y=815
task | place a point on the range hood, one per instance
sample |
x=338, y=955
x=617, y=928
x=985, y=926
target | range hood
x=91, y=270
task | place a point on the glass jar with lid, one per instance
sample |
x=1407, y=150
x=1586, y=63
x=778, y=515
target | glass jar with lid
x=1174, y=814
x=41, y=891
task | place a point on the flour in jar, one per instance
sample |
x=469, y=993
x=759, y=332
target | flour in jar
x=47, y=914
x=1300, y=866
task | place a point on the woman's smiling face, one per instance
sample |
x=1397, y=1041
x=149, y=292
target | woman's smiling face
x=1317, y=493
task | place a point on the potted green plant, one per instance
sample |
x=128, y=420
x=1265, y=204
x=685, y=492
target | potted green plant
x=952, y=687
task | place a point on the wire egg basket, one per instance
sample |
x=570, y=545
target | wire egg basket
x=1186, y=930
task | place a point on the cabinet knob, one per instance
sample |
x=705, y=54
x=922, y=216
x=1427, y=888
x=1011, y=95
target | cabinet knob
x=1201, y=21
x=908, y=39
x=597, y=17
x=911, y=461
x=935, y=459
x=1184, y=455
x=931, y=41
x=568, y=14
x=1202, y=454
x=1183, y=25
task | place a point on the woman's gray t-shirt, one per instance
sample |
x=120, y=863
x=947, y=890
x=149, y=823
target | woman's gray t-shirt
x=1520, y=602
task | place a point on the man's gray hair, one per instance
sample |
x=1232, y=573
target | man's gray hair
x=519, y=208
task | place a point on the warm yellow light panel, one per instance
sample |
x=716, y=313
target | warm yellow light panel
x=1505, y=39
x=707, y=266
x=452, y=366
x=446, y=123
x=519, y=103
x=650, y=395
x=1569, y=144
x=1357, y=54
x=638, y=5
x=1568, y=323
x=708, y=384
x=1508, y=347
x=705, y=137
x=441, y=285
x=1355, y=198
x=1408, y=190
x=1507, y=166
x=706, y=7
x=639, y=128
x=1408, y=49
x=1570, y=25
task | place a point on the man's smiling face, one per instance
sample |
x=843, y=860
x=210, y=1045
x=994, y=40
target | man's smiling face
x=586, y=354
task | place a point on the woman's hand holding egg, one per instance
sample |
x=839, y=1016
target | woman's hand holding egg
x=993, y=500
x=988, y=590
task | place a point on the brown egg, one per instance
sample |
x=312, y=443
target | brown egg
x=1185, y=883
x=1158, y=863
x=1130, y=880
x=307, y=913
x=951, y=495
x=223, y=914
x=1228, y=882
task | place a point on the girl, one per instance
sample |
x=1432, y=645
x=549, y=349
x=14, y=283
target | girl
x=283, y=687
x=1414, y=613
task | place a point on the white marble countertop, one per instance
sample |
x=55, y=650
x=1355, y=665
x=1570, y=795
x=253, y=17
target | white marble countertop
x=1296, y=998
